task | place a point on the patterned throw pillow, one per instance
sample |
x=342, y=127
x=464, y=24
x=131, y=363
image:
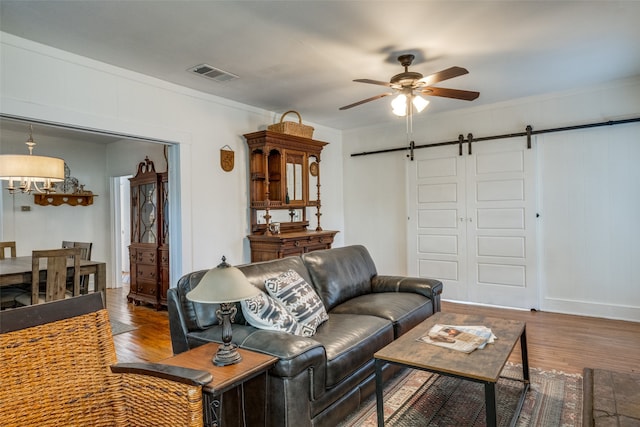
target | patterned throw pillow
x=264, y=312
x=299, y=298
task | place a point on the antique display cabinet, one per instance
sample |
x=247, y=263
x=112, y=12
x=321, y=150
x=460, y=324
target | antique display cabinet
x=284, y=188
x=149, y=249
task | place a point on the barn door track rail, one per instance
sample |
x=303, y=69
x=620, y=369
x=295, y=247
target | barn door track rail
x=471, y=139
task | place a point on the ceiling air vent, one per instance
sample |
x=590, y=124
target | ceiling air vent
x=212, y=73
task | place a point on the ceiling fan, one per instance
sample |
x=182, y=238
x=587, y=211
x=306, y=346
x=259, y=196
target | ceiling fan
x=407, y=82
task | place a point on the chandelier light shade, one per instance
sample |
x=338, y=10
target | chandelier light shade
x=224, y=285
x=32, y=173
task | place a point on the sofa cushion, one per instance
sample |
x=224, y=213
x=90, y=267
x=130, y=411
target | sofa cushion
x=299, y=298
x=264, y=312
x=340, y=274
x=404, y=309
x=350, y=340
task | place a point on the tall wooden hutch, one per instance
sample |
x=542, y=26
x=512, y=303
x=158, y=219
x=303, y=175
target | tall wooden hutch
x=149, y=249
x=284, y=176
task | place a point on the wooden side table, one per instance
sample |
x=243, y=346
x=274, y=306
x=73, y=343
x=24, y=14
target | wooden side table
x=225, y=397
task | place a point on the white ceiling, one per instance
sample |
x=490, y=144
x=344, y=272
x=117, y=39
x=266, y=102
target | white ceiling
x=304, y=55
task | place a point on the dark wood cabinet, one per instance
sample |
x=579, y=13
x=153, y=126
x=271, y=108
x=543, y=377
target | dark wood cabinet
x=284, y=189
x=149, y=249
x=264, y=248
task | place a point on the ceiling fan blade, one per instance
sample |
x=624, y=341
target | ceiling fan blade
x=373, y=82
x=373, y=98
x=465, y=95
x=440, y=76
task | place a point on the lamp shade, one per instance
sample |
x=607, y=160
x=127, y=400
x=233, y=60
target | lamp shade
x=222, y=284
x=17, y=167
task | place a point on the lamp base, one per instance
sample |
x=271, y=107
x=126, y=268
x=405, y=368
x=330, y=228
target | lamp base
x=227, y=354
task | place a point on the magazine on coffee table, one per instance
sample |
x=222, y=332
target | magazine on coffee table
x=459, y=337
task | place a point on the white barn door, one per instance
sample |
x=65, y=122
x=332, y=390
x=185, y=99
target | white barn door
x=472, y=222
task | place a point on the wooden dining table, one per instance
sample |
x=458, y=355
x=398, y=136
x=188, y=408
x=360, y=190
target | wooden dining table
x=16, y=271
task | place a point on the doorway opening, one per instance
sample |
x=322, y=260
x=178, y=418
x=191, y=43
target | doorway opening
x=122, y=229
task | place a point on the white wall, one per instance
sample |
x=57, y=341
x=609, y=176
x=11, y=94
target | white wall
x=211, y=204
x=589, y=195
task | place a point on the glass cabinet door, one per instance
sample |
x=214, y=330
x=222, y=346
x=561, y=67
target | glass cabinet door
x=295, y=180
x=148, y=213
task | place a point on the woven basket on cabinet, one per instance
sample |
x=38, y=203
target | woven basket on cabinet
x=292, y=128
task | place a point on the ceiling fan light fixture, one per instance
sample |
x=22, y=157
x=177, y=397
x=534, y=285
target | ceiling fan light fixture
x=419, y=103
x=405, y=83
x=399, y=105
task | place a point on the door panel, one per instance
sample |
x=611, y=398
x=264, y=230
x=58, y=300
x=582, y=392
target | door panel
x=501, y=240
x=443, y=270
x=488, y=191
x=436, y=227
x=500, y=218
x=472, y=222
x=438, y=244
x=501, y=246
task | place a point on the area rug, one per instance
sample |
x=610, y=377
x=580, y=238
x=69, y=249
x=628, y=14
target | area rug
x=120, y=328
x=418, y=398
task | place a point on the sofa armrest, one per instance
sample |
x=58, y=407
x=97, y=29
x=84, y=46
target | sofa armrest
x=295, y=355
x=429, y=288
x=177, y=323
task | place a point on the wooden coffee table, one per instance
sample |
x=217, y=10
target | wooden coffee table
x=483, y=366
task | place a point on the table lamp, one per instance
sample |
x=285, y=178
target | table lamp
x=224, y=285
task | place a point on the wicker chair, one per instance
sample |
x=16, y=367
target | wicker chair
x=57, y=368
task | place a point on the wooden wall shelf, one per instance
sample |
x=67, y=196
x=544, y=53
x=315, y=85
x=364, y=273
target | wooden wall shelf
x=60, y=199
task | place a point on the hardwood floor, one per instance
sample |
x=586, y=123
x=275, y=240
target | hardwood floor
x=151, y=341
x=555, y=341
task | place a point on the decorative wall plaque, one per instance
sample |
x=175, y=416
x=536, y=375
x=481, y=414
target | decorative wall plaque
x=226, y=158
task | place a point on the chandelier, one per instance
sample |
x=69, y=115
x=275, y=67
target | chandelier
x=29, y=172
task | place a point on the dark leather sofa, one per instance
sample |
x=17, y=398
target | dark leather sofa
x=318, y=380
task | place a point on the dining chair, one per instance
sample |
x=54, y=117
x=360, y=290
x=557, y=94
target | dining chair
x=56, y=276
x=8, y=294
x=62, y=370
x=85, y=254
x=7, y=245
